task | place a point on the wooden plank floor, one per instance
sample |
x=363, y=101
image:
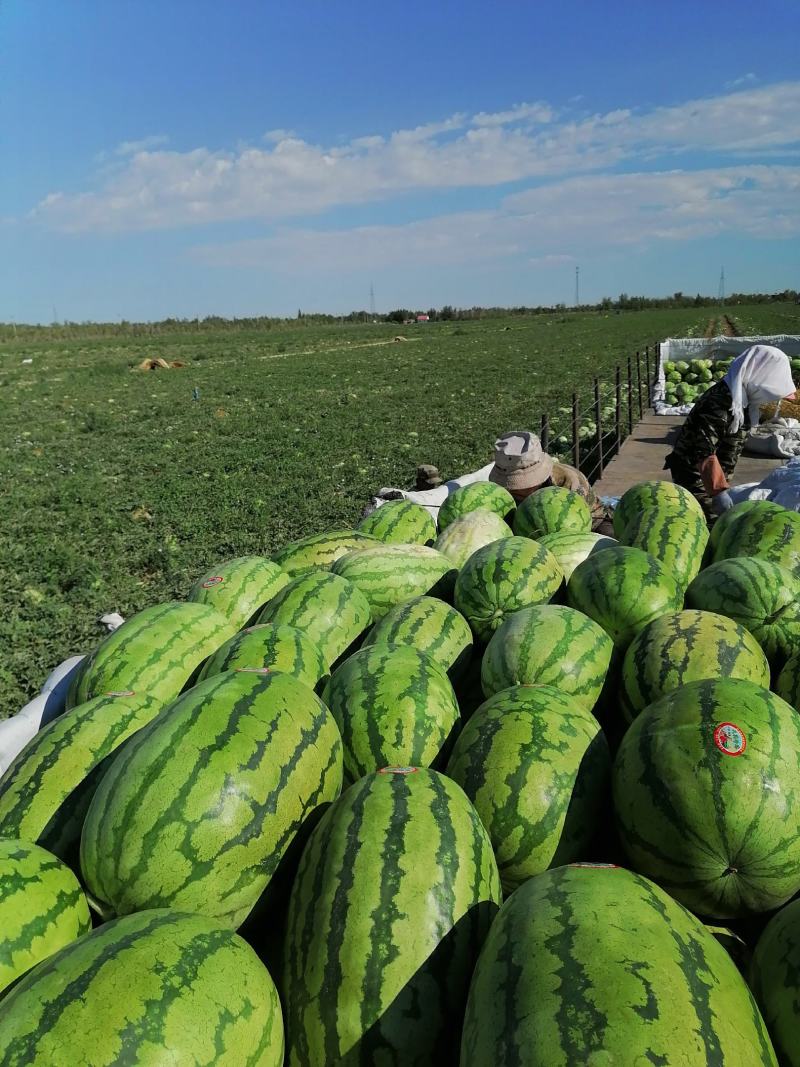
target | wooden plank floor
x=642, y=455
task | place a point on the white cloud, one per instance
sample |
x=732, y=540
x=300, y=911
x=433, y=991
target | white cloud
x=293, y=178
x=131, y=148
x=746, y=79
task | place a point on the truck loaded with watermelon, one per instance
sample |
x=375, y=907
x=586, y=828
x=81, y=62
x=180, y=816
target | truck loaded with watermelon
x=491, y=791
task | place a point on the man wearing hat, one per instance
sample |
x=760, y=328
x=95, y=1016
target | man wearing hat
x=521, y=466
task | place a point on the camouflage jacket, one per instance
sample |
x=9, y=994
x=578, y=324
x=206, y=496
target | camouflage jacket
x=707, y=432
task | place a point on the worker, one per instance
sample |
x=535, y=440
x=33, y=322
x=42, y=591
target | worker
x=711, y=439
x=522, y=466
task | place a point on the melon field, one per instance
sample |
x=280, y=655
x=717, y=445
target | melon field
x=121, y=487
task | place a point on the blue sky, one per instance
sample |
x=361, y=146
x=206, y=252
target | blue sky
x=187, y=157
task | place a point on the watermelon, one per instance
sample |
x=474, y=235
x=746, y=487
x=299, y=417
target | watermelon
x=705, y=788
x=200, y=807
x=678, y=542
x=280, y=648
x=593, y=964
x=157, y=651
x=552, y=510
x=318, y=552
x=687, y=646
x=623, y=589
x=762, y=596
x=239, y=588
x=394, y=894
x=430, y=626
x=503, y=577
x=468, y=498
x=42, y=909
x=775, y=980
x=155, y=988
x=730, y=516
x=663, y=497
x=536, y=765
x=549, y=645
x=400, y=522
x=47, y=789
x=570, y=548
x=330, y=611
x=388, y=575
x=469, y=533
x=392, y=706
x=769, y=532
x=787, y=685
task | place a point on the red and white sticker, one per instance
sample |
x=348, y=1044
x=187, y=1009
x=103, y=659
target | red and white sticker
x=730, y=739
x=398, y=770
x=209, y=583
x=121, y=693
x=253, y=670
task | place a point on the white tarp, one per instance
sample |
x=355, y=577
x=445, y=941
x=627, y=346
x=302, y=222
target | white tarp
x=431, y=499
x=688, y=348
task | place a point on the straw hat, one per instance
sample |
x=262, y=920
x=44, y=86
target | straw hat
x=519, y=462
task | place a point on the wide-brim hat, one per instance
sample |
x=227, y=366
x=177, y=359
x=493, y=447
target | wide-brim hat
x=520, y=462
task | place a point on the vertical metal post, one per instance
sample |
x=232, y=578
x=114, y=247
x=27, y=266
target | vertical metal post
x=630, y=396
x=576, y=445
x=618, y=410
x=649, y=382
x=598, y=418
x=639, y=382
x=544, y=433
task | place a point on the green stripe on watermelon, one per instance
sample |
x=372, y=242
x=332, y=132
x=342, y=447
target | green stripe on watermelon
x=388, y=575
x=772, y=534
x=430, y=626
x=664, y=497
x=239, y=588
x=393, y=706
x=688, y=646
x=692, y=806
x=502, y=578
x=319, y=551
x=200, y=807
x=775, y=980
x=395, y=891
x=400, y=522
x=476, y=495
x=46, y=791
x=147, y=989
x=536, y=765
x=156, y=651
x=328, y=609
x=570, y=549
x=549, y=645
x=678, y=542
x=42, y=909
x=472, y=531
x=279, y=648
x=732, y=515
x=551, y=510
x=787, y=685
x=591, y=964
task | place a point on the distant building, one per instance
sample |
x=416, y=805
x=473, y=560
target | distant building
x=423, y=318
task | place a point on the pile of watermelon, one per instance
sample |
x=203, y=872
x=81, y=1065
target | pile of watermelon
x=686, y=381
x=501, y=791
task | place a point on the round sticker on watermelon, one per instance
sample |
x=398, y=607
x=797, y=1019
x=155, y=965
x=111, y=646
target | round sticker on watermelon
x=209, y=582
x=729, y=739
x=398, y=770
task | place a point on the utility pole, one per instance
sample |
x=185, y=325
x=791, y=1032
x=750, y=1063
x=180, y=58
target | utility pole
x=577, y=287
x=721, y=290
x=371, y=301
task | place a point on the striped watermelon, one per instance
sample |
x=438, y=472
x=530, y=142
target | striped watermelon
x=688, y=646
x=476, y=495
x=787, y=685
x=592, y=964
x=770, y=532
x=47, y=789
x=200, y=807
x=157, y=651
x=676, y=541
x=663, y=497
x=239, y=588
x=42, y=909
x=502, y=578
x=472, y=531
x=761, y=596
x=330, y=611
x=775, y=981
x=430, y=626
x=319, y=551
x=570, y=549
x=280, y=648
x=396, y=889
x=549, y=645
x=400, y=522
x=392, y=706
x=156, y=988
x=623, y=589
x=692, y=804
x=388, y=575
x=536, y=765
x=730, y=516
x=552, y=510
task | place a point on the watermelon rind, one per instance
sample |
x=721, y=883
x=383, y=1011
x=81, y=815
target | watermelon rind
x=239, y=588
x=267, y=646
x=657, y=495
x=774, y=974
x=389, y=575
x=570, y=548
x=431, y=626
x=676, y=541
x=400, y=522
x=472, y=531
x=476, y=495
x=770, y=533
x=551, y=510
x=319, y=551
